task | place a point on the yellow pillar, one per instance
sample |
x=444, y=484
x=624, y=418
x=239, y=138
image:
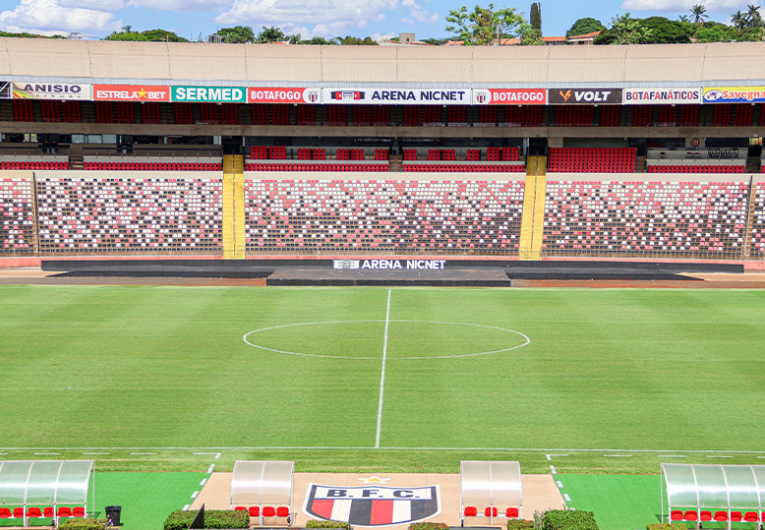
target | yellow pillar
x=233, y=207
x=533, y=217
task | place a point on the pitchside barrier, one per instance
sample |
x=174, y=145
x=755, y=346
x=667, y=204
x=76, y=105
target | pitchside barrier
x=489, y=491
x=265, y=489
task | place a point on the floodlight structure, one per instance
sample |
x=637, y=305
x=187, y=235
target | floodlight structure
x=492, y=490
x=46, y=489
x=265, y=489
x=716, y=493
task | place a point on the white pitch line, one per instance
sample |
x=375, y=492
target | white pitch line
x=93, y=453
x=619, y=456
x=382, y=375
x=682, y=456
x=47, y=453
x=210, y=469
x=718, y=456
x=549, y=457
x=204, y=481
x=185, y=508
x=565, y=496
x=217, y=455
x=143, y=453
x=559, y=483
x=552, y=468
x=194, y=495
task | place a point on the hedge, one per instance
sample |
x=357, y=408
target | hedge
x=82, y=524
x=666, y=526
x=180, y=520
x=313, y=523
x=520, y=524
x=428, y=526
x=569, y=520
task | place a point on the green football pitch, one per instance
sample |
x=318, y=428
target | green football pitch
x=402, y=379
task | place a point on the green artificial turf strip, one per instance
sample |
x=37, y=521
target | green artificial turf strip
x=619, y=502
x=146, y=498
x=121, y=367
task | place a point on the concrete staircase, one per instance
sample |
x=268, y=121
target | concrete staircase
x=533, y=218
x=233, y=207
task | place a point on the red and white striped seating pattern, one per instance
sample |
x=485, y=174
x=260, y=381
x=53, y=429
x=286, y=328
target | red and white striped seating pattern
x=758, y=223
x=694, y=219
x=129, y=215
x=450, y=217
x=34, y=165
x=152, y=166
x=324, y=166
x=464, y=168
x=16, y=216
x=592, y=160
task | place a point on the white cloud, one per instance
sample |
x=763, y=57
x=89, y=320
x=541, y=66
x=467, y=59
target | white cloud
x=319, y=17
x=420, y=13
x=98, y=5
x=684, y=5
x=48, y=17
x=188, y=6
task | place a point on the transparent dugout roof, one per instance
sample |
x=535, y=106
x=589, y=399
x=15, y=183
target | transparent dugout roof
x=486, y=483
x=262, y=482
x=714, y=486
x=45, y=482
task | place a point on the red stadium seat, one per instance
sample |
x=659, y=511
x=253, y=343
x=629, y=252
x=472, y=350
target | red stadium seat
x=34, y=512
x=64, y=511
x=721, y=516
x=18, y=513
x=471, y=511
x=5, y=513
x=706, y=515
x=241, y=508
x=511, y=512
x=690, y=515
x=736, y=517
x=78, y=511
x=254, y=511
x=268, y=511
x=282, y=511
x=49, y=512
x=490, y=511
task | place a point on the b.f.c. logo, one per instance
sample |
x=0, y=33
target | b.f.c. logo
x=372, y=505
x=312, y=95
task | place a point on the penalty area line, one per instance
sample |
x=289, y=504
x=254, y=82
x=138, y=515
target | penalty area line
x=382, y=375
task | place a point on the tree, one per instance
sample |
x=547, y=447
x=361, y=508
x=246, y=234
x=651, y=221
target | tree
x=753, y=18
x=235, y=35
x=120, y=36
x=684, y=18
x=715, y=33
x=532, y=37
x=699, y=13
x=738, y=19
x=161, y=35
x=626, y=30
x=585, y=25
x=484, y=26
x=665, y=31
x=321, y=41
x=434, y=42
x=535, y=17
x=293, y=39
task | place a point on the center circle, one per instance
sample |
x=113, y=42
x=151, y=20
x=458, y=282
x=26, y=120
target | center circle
x=405, y=339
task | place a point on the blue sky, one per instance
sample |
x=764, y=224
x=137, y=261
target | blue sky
x=327, y=18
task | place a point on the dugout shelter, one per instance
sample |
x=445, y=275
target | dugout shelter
x=490, y=490
x=265, y=489
x=46, y=489
x=702, y=493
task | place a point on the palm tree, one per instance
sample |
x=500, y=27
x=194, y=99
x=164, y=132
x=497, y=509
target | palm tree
x=699, y=13
x=738, y=19
x=684, y=18
x=753, y=16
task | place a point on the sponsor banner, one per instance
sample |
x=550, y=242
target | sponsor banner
x=661, y=96
x=393, y=96
x=584, y=96
x=209, y=94
x=510, y=96
x=131, y=93
x=283, y=95
x=390, y=264
x=51, y=91
x=6, y=90
x=372, y=505
x=748, y=94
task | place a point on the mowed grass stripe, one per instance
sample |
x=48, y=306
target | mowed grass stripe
x=167, y=367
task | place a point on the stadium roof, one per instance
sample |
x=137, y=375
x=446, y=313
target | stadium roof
x=671, y=65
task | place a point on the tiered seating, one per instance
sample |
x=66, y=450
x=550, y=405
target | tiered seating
x=642, y=115
x=208, y=114
x=432, y=115
x=609, y=116
x=592, y=160
x=667, y=116
x=487, y=117
x=184, y=113
x=23, y=110
x=574, y=116
x=463, y=168
x=34, y=165
x=412, y=116
x=661, y=219
x=743, y=114
x=137, y=164
x=280, y=115
x=104, y=112
x=689, y=115
x=381, y=154
x=71, y=112
x=260, y=114
x=336, y=115
x=315, y=166
x=511, y=154
x=259, y=152
x=722, y=114
x=150, y=113
x=124, y=112
x=381, y=116
x=362, y=116
x=50, y=111
x=277, y=152
x=410, y=154
x=696, y=168
x=758, y=224
x=710, y=160
x=450, y=217
x=229, y=114
x=473, y=155
x=456, y=116
x=523, y=116
x=357, y=154
x=305, y=115
x=126, y=215
x=16, y=216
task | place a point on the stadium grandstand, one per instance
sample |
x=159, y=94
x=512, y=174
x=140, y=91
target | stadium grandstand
x=238, y=151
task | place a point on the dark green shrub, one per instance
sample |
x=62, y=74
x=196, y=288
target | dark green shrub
x=569, y=520
x=313, y=523
x=428, y=526
x=180, y=520
x=520, y=524
x=82, y=524
x=666, y=526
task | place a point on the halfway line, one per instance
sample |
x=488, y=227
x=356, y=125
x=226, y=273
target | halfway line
x=382, y=375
